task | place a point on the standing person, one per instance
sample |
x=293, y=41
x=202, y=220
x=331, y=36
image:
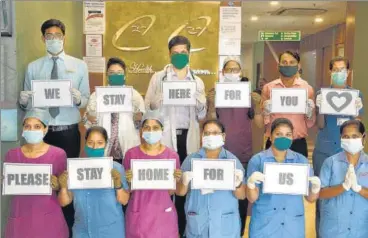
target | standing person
x=98, y=212
x=238, y=124
x=37, y=216
x=212, y=214
x=151, y=213
x=344, y=194
x=63, y=130
x=289, y=65
x=274, y=215
x=120, y=127
x=181, y=126
x=328, y=140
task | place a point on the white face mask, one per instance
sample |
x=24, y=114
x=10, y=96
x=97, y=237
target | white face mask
x=212, y=142
x=232, y=77
x=352, y=146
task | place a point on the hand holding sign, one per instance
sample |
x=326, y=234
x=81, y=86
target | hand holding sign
x=177, y=175
x=116, y=177
x=76, y=96
x=25, y=96
x=63, y=180
x=239, y=175
x=256, y=178
x=54, y=183
x=316, y=184
x=186, y=178
x=129, y=175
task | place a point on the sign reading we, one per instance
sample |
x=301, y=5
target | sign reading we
x=289, y=100
x=51, y=93
x=114, y=99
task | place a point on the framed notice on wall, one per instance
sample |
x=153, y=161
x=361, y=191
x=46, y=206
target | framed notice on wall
x=6, y=20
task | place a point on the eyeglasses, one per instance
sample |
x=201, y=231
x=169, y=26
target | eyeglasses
x=231, y=70
x=57, y=36
x=115, y=72
x=338, y=70
x=212, y=133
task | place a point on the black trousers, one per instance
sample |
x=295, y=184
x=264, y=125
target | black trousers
x=243, y=208
x=69, y=141
x=298, y=145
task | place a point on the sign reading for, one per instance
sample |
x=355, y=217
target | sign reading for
x=279, y=36
x=153, y=174
x=339, y=101
x=281, y=178
x=179, y=93
x=229, y=95
x=114, y=99
x=86, y=173
x=51, y=93
x=289, y=100
x=213, y=174
x=27, y=179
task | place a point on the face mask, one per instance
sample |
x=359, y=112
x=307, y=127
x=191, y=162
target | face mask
x=180, y=60
x=91, y=152
x=288, y=71
x=152, y=137
x=212, y=142
x=54, y=46
x=352, y=146
x=282, y=143
x=33, y=137
x=339, y=78
x=232, y=77
x=117, y=79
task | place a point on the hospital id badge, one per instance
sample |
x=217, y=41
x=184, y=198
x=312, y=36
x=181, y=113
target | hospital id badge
x=340, y=121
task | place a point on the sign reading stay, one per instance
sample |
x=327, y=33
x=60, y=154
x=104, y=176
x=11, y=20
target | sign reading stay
x=87, y=173
x=27, y=179
x=51, y=93
x=179, y=93
x=281, y=178
x=233, y=95
x=213, y=174
x=339, y=101
x=289, y=100
x=153, y=174
x=114, y=99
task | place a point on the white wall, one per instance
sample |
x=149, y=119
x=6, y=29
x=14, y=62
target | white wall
x=247, y=61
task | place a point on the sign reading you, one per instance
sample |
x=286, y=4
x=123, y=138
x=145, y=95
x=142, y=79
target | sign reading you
x=233, y=95
x=51, y=93
x=153, y=174
x=279, y=36
x=27, y=179
x=339, y=101
x=289, y=100
x=114, y=99
x=281, y=178
x=213, y=174
x=179, y=93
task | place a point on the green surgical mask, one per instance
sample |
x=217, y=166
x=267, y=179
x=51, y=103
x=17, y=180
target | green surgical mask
x=180, y=60
x=116, y=79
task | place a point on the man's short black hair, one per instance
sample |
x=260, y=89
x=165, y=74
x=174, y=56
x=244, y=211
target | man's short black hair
x=98, y=129
x=292, y=53
x=338, y=59
x=115, y=60
x=356, y=123
x=179, y=40
x=216, y=122
x=51, y=23
x=281, y=122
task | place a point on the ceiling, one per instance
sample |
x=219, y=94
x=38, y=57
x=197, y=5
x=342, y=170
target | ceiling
x=297, y=21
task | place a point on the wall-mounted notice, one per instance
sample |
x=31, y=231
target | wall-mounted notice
x=339, y=101
x=94, y=45
x=114, y=99
x=233, y=95
x=51, y=93
x=230, y=31
x=94, y=17
x=95, y=64
x=179, y=93
x=289, y=100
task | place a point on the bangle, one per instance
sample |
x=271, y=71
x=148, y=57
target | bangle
x=120, y=187
x=239, y=185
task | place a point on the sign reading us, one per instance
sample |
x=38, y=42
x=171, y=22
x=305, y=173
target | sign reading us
x=339, y=101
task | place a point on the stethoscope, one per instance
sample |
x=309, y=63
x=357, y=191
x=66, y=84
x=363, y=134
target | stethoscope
x=167, y=67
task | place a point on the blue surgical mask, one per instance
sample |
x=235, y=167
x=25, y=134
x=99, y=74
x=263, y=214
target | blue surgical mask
x=33, y=137
x=91, y=152
x=152, y=137
x=282, y=143
x=54, y=46
x=339, y=78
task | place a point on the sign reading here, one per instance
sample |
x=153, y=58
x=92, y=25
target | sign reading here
x=338, y=101
x=213, y=174
x=281, y=178
x=233, y=95
x=27, y=179
x=279, y=36
x=179, y=93
x=86, y=173
x=114, y=99
x=289, y=100
x=51, y=93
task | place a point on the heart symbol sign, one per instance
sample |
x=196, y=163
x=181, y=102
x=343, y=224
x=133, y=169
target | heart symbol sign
x=336, y=100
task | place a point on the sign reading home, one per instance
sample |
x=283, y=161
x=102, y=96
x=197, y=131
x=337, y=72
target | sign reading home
x=51, y=93
x=289, y=100
x=114, y=99
x=339, y=101
x=179, y=93
x=233, y=95
x=153, y=174
x=27, y=179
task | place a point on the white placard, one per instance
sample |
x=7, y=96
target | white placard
x=95, y=64
x=230, y=30
x=153, y=174
x=213, y=174
x=27, y=179
x=229, y=46
x=339, y=101
x=94, y=17
x=94, y=45
x=281, y=178
x=114, y=99
x=51, y=93
x=179, y=93
x=90, y=173
x=289, y=100
x=233, y=95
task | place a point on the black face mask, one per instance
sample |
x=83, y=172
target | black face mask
x=288, y=71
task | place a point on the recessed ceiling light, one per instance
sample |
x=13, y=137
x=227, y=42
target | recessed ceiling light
x=254, y=18
x=318, y=19
x=274, y=3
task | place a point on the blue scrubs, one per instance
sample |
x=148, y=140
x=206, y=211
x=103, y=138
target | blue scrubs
x=97, y=212
x=274, y=215
x=344, y=216
x=213, y=215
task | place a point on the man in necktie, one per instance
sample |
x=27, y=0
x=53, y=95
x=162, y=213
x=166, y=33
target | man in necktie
x=63, y=127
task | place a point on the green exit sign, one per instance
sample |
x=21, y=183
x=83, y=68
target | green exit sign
x=279, y=36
